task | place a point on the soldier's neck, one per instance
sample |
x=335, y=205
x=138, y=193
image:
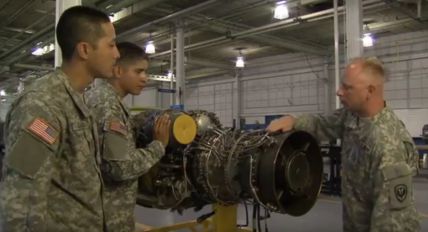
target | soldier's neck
x=78, y=76
x=373, y=108
x=118, y=89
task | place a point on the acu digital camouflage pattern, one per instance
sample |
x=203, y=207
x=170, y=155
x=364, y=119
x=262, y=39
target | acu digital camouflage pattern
x=122, y=163
x=51, y=186
x=378, y=162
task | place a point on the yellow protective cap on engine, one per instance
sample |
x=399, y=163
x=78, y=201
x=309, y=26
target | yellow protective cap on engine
x=184, y=129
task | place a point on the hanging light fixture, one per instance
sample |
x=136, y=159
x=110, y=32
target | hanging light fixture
x=170, y=74
x=281, y=10
x=40, y=51
x=240, y=63
x=367, y=40
x=150, y=47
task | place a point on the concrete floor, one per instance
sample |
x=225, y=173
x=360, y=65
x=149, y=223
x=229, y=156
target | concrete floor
x=326, y=215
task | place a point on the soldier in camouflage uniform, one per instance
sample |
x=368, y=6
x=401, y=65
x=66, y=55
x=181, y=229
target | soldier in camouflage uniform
x=378, y=155
x=51, y=176
x=122, y=162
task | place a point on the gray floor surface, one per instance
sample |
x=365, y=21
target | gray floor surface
x=325, y=216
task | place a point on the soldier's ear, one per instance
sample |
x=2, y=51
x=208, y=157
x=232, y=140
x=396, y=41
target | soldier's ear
x=117, y=71
x=83, y=50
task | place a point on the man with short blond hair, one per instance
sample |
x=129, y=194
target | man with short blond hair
x=378, y=154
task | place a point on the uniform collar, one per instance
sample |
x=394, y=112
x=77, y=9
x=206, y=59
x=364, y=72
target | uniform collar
x=110, y=89
x=358, y=121
x=75, y=95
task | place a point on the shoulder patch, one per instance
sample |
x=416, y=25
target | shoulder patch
x=118, y=127
x=41, y=129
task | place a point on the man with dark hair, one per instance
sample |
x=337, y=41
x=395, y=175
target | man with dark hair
x=122, y=162
x=51, y=176
x=378, y=154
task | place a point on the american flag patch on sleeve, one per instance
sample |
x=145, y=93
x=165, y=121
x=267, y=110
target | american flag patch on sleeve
x=43, y=130
x=118, y=127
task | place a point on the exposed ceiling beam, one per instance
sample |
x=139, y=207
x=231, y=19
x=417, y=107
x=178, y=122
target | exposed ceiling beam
x=27, y=42
x=11, y=18
x=4, y=3
x=195, y=61
x=33, y=67
x=171, y=17
x=37, y=22
x=196, y=75
x=209, y=63
x=223, y=27
x=138, y=6
x=220, y=26
x=320, y=15
x=254, y=31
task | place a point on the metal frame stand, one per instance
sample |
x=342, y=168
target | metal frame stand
x=224, y=220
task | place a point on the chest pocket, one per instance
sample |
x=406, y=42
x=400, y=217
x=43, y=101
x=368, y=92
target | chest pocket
x=81, y=136
x=398, y=179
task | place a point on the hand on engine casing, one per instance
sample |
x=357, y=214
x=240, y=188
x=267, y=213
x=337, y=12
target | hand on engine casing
x=162, y=129
x=282, y=124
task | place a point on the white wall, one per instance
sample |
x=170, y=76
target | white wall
x=300, y=83
x=214, y=97
x=147, y=99
x=414, y=119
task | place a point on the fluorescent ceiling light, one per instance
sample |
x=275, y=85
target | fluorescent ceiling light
x=367, y=40
x=240, y=62
x=281, y=10
x=40, y=51
x=150, y=47
x=170, y=74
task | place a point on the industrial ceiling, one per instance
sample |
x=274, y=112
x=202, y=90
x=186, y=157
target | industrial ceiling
x=215, y=30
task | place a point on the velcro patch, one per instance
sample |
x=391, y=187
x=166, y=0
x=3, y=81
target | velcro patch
x=43, y=130
x=118, y=127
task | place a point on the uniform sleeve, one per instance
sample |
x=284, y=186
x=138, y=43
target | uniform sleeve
x=32, y=136
x=121, y=159
x=323, y=127
x=393, y=200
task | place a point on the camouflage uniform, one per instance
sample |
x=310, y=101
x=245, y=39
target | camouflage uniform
x=51, y=176
x=378, y=161
x=122, y=163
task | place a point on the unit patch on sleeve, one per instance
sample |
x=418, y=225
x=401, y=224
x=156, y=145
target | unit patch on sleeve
x=400, y=192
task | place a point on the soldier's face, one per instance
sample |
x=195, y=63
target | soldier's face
x=105, y=53
x=353, y=91
x=133, y=77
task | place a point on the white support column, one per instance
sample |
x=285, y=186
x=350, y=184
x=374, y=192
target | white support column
x=179, y=84
x=236, y=103
x=171, y=69
x=61, y=6
x=354, y=27
x=336, y=54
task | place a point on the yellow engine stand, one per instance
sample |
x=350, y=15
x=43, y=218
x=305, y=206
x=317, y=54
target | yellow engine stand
x=224, y=220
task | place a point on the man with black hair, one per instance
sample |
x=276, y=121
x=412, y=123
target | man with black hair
x=122, y=162
x=51, y=176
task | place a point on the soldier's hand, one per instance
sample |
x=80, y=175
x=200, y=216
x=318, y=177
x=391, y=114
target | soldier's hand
x=162, y=129
x=283, y=124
